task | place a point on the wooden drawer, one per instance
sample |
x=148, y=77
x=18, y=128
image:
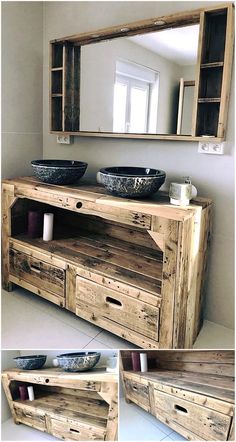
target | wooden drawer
x=117, y=307
x=38, y=273
x=35, y=419
x=137, y=392
x=202, y=421
x=73, y=430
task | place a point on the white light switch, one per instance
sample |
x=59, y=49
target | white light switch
x=211, y=148
x=63, y=139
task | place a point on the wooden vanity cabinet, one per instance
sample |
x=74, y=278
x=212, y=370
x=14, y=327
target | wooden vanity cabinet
x=133, y=267
x=190, y=391
x=70, y=406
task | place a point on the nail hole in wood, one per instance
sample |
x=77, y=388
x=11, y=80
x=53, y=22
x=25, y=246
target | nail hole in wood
x=79, y=205
x=46, y=380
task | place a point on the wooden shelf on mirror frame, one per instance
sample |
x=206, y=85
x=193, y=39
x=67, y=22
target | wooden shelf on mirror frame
x=208, y=100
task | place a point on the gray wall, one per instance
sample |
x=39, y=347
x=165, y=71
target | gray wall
x=213, y=175
x=7, y=362
x=22, y=82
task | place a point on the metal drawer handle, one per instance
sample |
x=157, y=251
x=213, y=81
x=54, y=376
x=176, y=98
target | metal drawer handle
x=79, y=205
x=35, y=268
x=74, y=431
x=113, y=301
x=182, y=409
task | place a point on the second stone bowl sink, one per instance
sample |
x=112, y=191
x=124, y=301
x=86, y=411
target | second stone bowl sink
x=131, y=182
x=59, y=171
x=78, y=361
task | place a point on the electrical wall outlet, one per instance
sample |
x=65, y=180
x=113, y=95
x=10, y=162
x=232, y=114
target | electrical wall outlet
x=211, y=148
x=63, y=139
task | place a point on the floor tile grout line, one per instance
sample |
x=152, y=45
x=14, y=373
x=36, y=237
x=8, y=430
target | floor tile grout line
x=31, y=302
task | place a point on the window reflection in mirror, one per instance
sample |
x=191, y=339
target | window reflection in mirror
x=135, y=98
x=132, y=84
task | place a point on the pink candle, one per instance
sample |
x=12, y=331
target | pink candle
x=35, y=225
x=135, y=361
x=23, y=392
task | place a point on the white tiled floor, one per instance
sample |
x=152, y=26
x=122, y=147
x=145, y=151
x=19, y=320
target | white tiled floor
x=135, y=424
x=28, y=320
x=11, y=431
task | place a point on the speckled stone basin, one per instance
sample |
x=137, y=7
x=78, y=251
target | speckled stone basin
x=33, y=362
x=78, y=361
x=132, y=182
x=59, y=171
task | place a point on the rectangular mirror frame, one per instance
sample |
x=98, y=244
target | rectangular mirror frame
x=208, y=111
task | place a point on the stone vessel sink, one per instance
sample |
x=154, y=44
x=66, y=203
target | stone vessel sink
x=131, y=182
x=78, y=361
x=59, y=171
x=33, y=362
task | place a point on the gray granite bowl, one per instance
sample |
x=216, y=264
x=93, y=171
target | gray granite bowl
x=59, y=171
x=33, y=362
x=131, y=182
x=78, y=361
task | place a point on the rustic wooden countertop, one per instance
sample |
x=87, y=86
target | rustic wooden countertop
x=219, y=387
x=94, y=375
x=157, y=205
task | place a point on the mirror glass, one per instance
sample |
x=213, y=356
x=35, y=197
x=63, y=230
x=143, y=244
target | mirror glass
x=140, y=84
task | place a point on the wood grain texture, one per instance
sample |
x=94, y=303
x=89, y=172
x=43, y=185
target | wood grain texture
x=135, y=268
x=190, y=391
x=66, y=405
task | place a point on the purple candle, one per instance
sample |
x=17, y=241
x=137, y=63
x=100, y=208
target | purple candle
x=35, y=224
x=135, y=361
x=23, y=392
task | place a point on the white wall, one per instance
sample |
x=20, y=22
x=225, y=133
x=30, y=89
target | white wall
x=7, y=362
x=98, y=70
x=22, y=82
x=213, y=175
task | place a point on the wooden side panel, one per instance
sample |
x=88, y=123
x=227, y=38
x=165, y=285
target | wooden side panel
x=112, y=420
x=8, y=199
x=170, y=231
x=227, y=72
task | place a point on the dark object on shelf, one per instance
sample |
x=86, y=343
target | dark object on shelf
x=59, y=171
x=132, y=182
x=35, y=224
x=23, y=392
x=33, y=362
x=135, y=361
x=78, y=361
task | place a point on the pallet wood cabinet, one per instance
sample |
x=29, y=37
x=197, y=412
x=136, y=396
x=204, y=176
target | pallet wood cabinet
x=190, y=391
x=135, y=268
x=213, y=72
x=70, y=406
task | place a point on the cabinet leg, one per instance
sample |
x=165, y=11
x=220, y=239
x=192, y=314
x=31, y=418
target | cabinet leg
x=8, y=286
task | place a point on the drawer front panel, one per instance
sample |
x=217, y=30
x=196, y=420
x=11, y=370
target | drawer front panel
x=37, y=272
x=207, y=423
x=72, y=430
x=131, y=313
x=32, y=418
x=138, y=393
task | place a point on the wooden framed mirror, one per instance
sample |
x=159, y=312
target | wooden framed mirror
x=123, y=81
